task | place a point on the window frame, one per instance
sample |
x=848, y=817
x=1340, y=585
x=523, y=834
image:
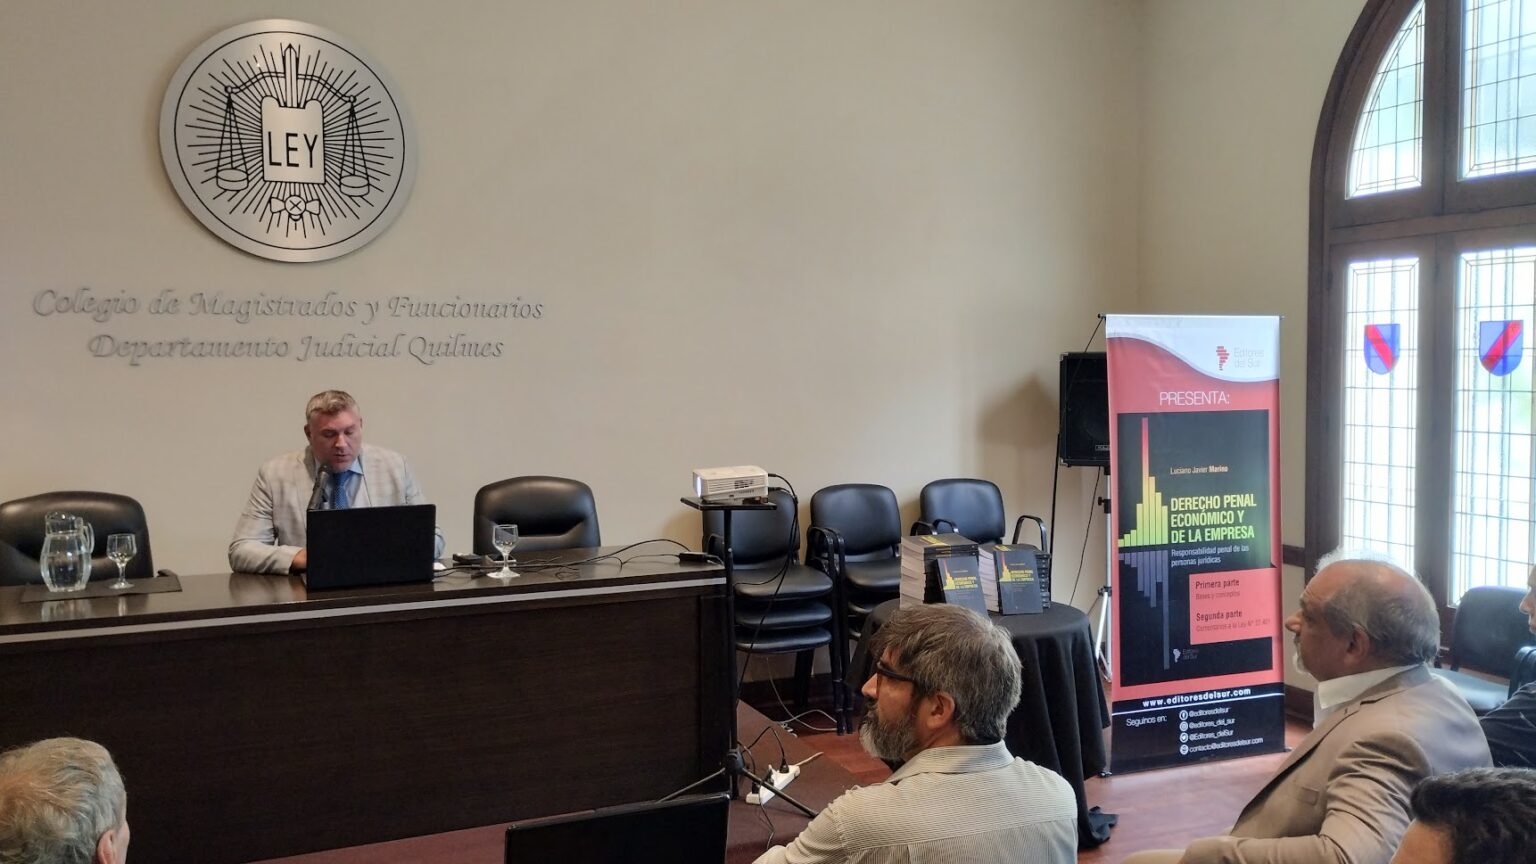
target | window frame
x=1434, y=222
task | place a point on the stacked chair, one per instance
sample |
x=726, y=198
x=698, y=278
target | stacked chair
x=973, y=508
x=855, y=535
x=781, y=605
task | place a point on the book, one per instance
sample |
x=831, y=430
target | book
x=958, y=581
x=1018, y=580
x=1029, y=593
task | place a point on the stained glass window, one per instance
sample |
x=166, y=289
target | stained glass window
x=1388, y=152
x=1491, y=524
x=1381, y=407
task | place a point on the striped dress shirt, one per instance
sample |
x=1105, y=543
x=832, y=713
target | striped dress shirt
x=946, y=806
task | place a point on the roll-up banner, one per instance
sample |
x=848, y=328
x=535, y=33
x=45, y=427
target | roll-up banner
x=1195, y=464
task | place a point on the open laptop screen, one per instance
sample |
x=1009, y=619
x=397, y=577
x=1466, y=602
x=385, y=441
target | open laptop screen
x=687, y=830
x=370, y=546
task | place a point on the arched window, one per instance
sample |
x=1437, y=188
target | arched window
x=1422, y=291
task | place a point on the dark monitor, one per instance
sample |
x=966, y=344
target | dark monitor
x=370, y=546
x=687, y=830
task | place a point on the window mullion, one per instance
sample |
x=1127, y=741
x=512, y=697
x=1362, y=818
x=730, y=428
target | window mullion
x=1437, y=412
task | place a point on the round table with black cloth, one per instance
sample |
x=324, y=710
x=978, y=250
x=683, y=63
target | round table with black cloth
x=1061, y=715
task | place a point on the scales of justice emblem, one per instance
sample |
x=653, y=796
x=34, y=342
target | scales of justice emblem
x=284, y=141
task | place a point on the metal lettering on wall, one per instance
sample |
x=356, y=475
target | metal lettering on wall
x=285, y=141
x=341, y=326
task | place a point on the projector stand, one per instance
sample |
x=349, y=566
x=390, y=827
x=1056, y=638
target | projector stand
x=734, y=767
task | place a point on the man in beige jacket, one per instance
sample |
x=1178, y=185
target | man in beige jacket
x=1382, y=723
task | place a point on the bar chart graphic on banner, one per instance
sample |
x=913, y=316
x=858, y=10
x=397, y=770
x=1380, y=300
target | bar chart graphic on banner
x=1151, y=530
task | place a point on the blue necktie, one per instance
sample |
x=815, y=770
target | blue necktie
x=339, y=501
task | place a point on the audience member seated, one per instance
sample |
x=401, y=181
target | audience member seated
x=1366, y=630
x=938, y=703
x=1511, y=728
x=270, y=536
x=62, y=802
x=1480, y=816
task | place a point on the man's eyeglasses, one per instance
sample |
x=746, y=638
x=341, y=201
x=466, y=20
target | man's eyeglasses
x=885, y=671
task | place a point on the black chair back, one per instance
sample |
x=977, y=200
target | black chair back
x=1525, y=669
x=759, y=538
x=549, y=512
x=22, y=533
x=975, y=507
x=1490, y=629
x=865, y=515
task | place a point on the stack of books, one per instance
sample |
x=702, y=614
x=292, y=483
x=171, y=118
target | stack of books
x=921, y=581
x=1015, y=579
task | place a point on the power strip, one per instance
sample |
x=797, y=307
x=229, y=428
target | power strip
x=780, y=780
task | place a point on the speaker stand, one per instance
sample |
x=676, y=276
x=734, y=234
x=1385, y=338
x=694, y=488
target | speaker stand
x=1104, y=647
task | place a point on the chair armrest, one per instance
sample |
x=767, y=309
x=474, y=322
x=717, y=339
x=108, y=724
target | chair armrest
x=714, y=545
x=921, y=527
x=827, y=546
x=1045, y=537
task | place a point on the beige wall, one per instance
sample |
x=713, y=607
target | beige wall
x=842, y=240
x=761, y=231
x=1230, y=100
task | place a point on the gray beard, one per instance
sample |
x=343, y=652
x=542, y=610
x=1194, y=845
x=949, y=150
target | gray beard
x=886, y=741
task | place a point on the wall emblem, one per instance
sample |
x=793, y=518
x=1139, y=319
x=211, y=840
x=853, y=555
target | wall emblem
x=285, y=140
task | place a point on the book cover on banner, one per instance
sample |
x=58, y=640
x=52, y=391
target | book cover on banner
x=1198, y=523
x=1018, y=580
x=958, y=580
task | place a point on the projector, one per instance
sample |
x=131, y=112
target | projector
x=736, y=483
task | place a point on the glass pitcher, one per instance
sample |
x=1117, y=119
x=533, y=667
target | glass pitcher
x=67, y=546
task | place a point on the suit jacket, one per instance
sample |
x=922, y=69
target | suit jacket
x=272, y=530
x=1342, y=794
x=1511, y=730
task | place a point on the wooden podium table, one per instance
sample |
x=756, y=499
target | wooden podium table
x=252, y=719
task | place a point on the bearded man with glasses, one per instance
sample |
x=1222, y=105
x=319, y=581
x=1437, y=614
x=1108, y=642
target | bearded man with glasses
x=938, y=704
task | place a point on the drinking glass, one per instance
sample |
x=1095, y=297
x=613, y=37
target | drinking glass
x=121, y=548
x=504, y=538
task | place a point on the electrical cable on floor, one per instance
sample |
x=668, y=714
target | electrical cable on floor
x=795, y=718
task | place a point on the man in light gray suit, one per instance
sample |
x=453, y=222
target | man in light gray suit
x=270, y=536
x=1365, y=630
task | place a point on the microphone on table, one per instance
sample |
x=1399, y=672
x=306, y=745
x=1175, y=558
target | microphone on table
x=317, y=495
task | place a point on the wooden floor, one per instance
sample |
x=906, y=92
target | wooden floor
x=1158, y=809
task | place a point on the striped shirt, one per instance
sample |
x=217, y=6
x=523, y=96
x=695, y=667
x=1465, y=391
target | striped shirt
x=947, y=805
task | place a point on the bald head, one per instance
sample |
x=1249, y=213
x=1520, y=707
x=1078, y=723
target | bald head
x=1384, y=602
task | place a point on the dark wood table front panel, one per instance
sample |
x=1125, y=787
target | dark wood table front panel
x=391, y=718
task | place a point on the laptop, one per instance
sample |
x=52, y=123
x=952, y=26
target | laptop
x=686, y=830
x=370, y=546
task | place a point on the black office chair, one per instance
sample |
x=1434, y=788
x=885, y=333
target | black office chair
x=1489, y=632
x=1524, y=671
x=973, y=508
x=549, y=512
x=856, y=531
x=22, y=533
x=781, y=604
